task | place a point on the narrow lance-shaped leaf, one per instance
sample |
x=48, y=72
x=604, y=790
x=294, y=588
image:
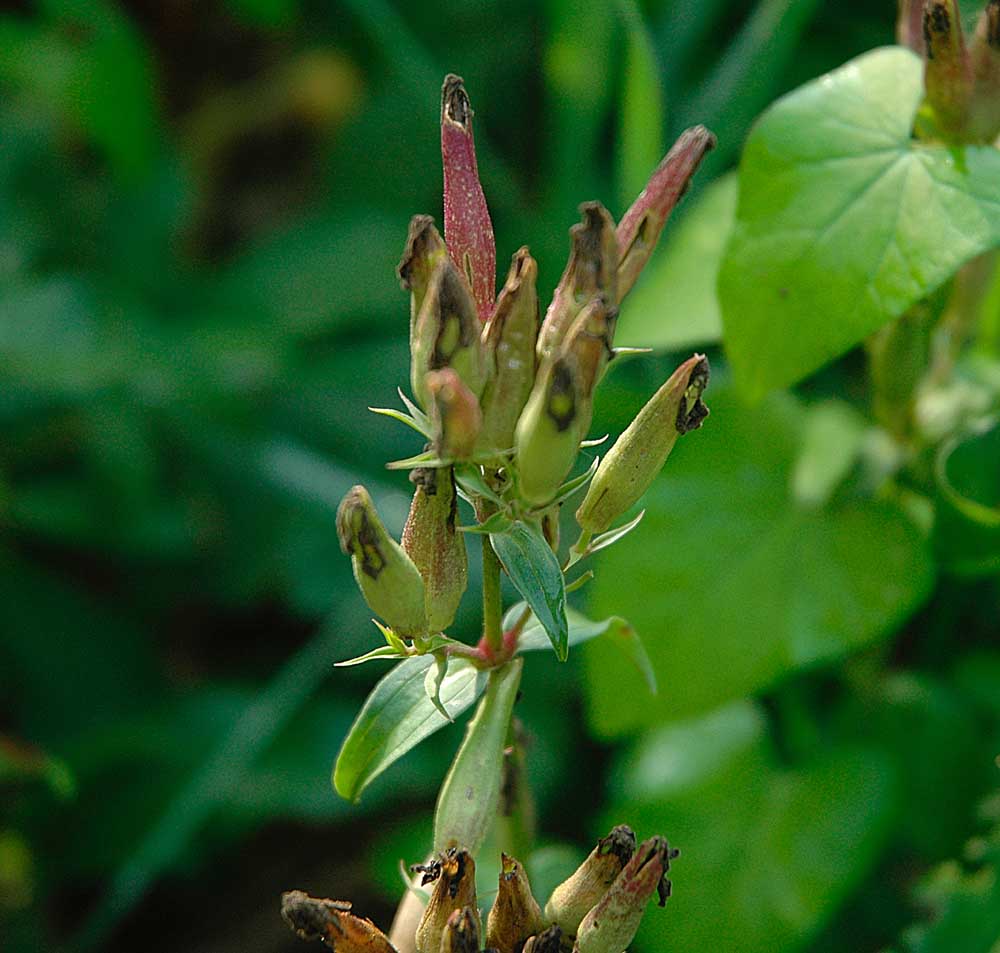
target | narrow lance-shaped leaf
x=534, y=569
x=468, y=231
x=467, y=803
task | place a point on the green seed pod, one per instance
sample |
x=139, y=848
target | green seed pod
x=611, y=924
x=591, y=270
x=461, y=935
x=455, y=414
x=435, y=546
x=388, y=580
x=948, y=70
x=515, y=914
x=638, y=455
x=573, y=898
x=509, y=339
x=454, y=877
x=447, y=334
x=558, y=413
x=985, y=55
x=425, y=250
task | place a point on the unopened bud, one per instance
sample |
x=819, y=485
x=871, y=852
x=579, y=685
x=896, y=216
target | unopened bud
x=332, y=922
x=611, y=925
x=467, y=226
x=948, y=71
x=437, y=549
x=515, y=914
x=510, y=339
x=461, y=934
x=454, y=877
x=446, y=333
x=455, y=414
x=591, y=270
x=985, y=55
x=548, y=941
x=387, y=577
x=638, y=455
x=640, y=227
x=560, y=407
x=423, y=253
x=573, y=898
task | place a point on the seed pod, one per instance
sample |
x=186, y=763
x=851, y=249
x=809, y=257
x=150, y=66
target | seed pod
x=446, y=333
x=509, y=339
x=461, y=935
x=467, y=226
x=548, y=941
x=332, y=922
x=423, y=253
x=591, y=270
x=573, y=898
x=638, y=455
x=985, y=55
x=640, y=227
x=388, y=580
x=947, y=71
x=437, y=549
x=454, y=877
x=559, y=410
x=610, y=926
x=455, y=414
x=515, y=914
x=910, y=25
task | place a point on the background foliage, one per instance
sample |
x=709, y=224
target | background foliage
x=201, y=206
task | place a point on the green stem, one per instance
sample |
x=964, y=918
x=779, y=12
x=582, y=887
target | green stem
x=492, y=600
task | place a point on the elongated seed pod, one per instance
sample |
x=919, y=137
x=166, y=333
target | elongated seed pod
x=431, y=540
x=454, y=413
x=454, y=877
x=984, y=122
x=515, y=914
x=332, y=922
x=423, y=253
x=948, y=69
x=386, y=576
x=638, y=455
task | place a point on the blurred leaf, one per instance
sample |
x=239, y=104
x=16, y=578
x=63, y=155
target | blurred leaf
x=675, y=305
x=844, y=221
x=467, y=803
x=265, y=13
x=534, y=570
x=832, y=440
x=733, y=585
x=967, y=530
x=397, y=716
x=765, y=846
x=640, y=132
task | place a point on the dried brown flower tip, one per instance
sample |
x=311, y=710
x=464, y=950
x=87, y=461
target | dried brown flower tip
x=515, y=914
x=332, y=922
x=454, y=877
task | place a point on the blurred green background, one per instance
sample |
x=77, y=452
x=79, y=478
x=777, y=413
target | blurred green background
x=201, y=208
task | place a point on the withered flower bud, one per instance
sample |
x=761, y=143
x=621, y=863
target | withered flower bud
x=509, y=339
x=638, y=455
x=446, y=334
x=985, y=55
x=455, y=413
x=467, y=226
x=437, y=549
x=461, y=934
x=454, y=877
x=548, y=941
x=423, y=253
x=948, y=70
x=610, y=925
x=591, y=270
x=515, y=914
x=560, y=407
x=573, y=898
x=640, y=227
x=387, y=577
x=332, y=922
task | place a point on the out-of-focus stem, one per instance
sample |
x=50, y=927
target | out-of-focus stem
x=492, y=602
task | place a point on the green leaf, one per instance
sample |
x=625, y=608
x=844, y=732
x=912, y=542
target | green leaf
x=534, y=569
x=844, y=221
x=497, y=523
x=733, y=585
x=767, y=845
x=467, y=804
x=675, y=304
x=397, y=716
